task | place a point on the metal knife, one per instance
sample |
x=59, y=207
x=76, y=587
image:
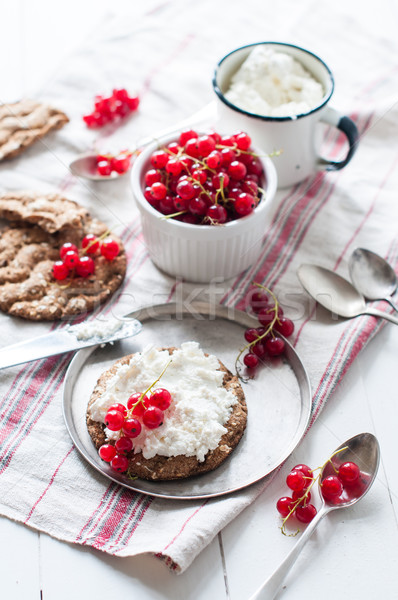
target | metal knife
x=66, y=340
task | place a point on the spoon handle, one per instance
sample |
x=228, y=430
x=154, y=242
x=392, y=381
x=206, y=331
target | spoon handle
x=391, y=303
x=269, y=589
x=380, y=313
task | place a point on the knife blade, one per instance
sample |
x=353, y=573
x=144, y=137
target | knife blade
x=70, y=339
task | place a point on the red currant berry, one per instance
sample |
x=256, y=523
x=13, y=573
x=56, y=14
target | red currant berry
x=206, y=145
x=173, y=147
x=120, y=94
x=121, y=163
x=227, y=156
x=153, y=417
x=250, y=187
x=295, y=481
x=158, y=190
x=159, y=159
x=67, y=247
x=90, y=121
x=166, y=206
x=124, y=445
x=284, y=326
x=131, y=427
x=199, y=175
x=198, y=207
x=132, y=102
x=71, y=259
x=306, y=471
x=114, y=420
x=90, y=243
x=221, y=180
x=85, y=267
x=109, y=248
x=305, y=513
x=192, y=148
x=60, y=270
x=185, y=189
x=120, y=463
x=227, y=140
x=104, y=168
x=275, y=346
x=349, y=472
x=331, y=487
x=160, y=398
x=186, y=135
x=174, y=166
x=180, y=204
x=214, y=160
x=138, y=411
x=245, y=204
x=266, y=316
x=237, y=170
x=258, y=300
x=258, y=349
x=243, y=141
x=251, y=334
x=297, y=495
x=152, y=176
x=284, y=506
x=107, y=452
x=217, y=213
x=254, y=167
x=250, y=360
x=120, y=407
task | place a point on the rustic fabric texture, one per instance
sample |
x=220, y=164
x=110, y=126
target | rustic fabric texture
x=43, y=480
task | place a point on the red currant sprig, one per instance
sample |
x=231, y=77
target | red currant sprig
x=79, y=262
x=111, y=108
x=334, y=488
x=119, y=164
x=205, y=180
x=143, y=409
x=264, y=340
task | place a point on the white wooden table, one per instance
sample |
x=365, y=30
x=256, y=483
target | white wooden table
x=353, y=554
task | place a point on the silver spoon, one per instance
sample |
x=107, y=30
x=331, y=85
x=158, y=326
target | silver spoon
x=85, y=165
x=336, y=293
x=373, y=277
x=363, y=449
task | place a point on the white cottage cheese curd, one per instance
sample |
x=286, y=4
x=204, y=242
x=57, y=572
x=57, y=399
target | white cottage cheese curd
x=271, y=83
x=200, y=406
x=96, y=329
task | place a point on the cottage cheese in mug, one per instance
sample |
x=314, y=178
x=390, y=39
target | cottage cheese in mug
x=272, y=83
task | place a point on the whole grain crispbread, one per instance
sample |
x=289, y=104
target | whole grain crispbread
x=163, y=468
x=28, y=252
x=23, y=123
x=51, y=212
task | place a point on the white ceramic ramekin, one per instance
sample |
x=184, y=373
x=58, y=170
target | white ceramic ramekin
x=201, y=253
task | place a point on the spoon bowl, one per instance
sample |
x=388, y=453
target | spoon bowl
x=336, y=294
x=362, y=449
x=85, y=166
x=373, y=276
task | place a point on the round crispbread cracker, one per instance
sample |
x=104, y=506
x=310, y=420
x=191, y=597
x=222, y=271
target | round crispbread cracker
x=27, y=287
x=167, y=468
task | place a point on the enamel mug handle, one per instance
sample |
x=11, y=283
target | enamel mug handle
x=345, y=125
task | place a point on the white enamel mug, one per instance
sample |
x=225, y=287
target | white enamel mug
x=297, y=138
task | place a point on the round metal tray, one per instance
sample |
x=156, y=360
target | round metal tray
x=278, y=397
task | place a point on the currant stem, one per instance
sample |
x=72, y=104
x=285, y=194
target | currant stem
x=141, y=398
x=305, y=495
x=268, y=331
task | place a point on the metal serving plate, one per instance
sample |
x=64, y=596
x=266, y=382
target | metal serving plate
x=278, y=397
